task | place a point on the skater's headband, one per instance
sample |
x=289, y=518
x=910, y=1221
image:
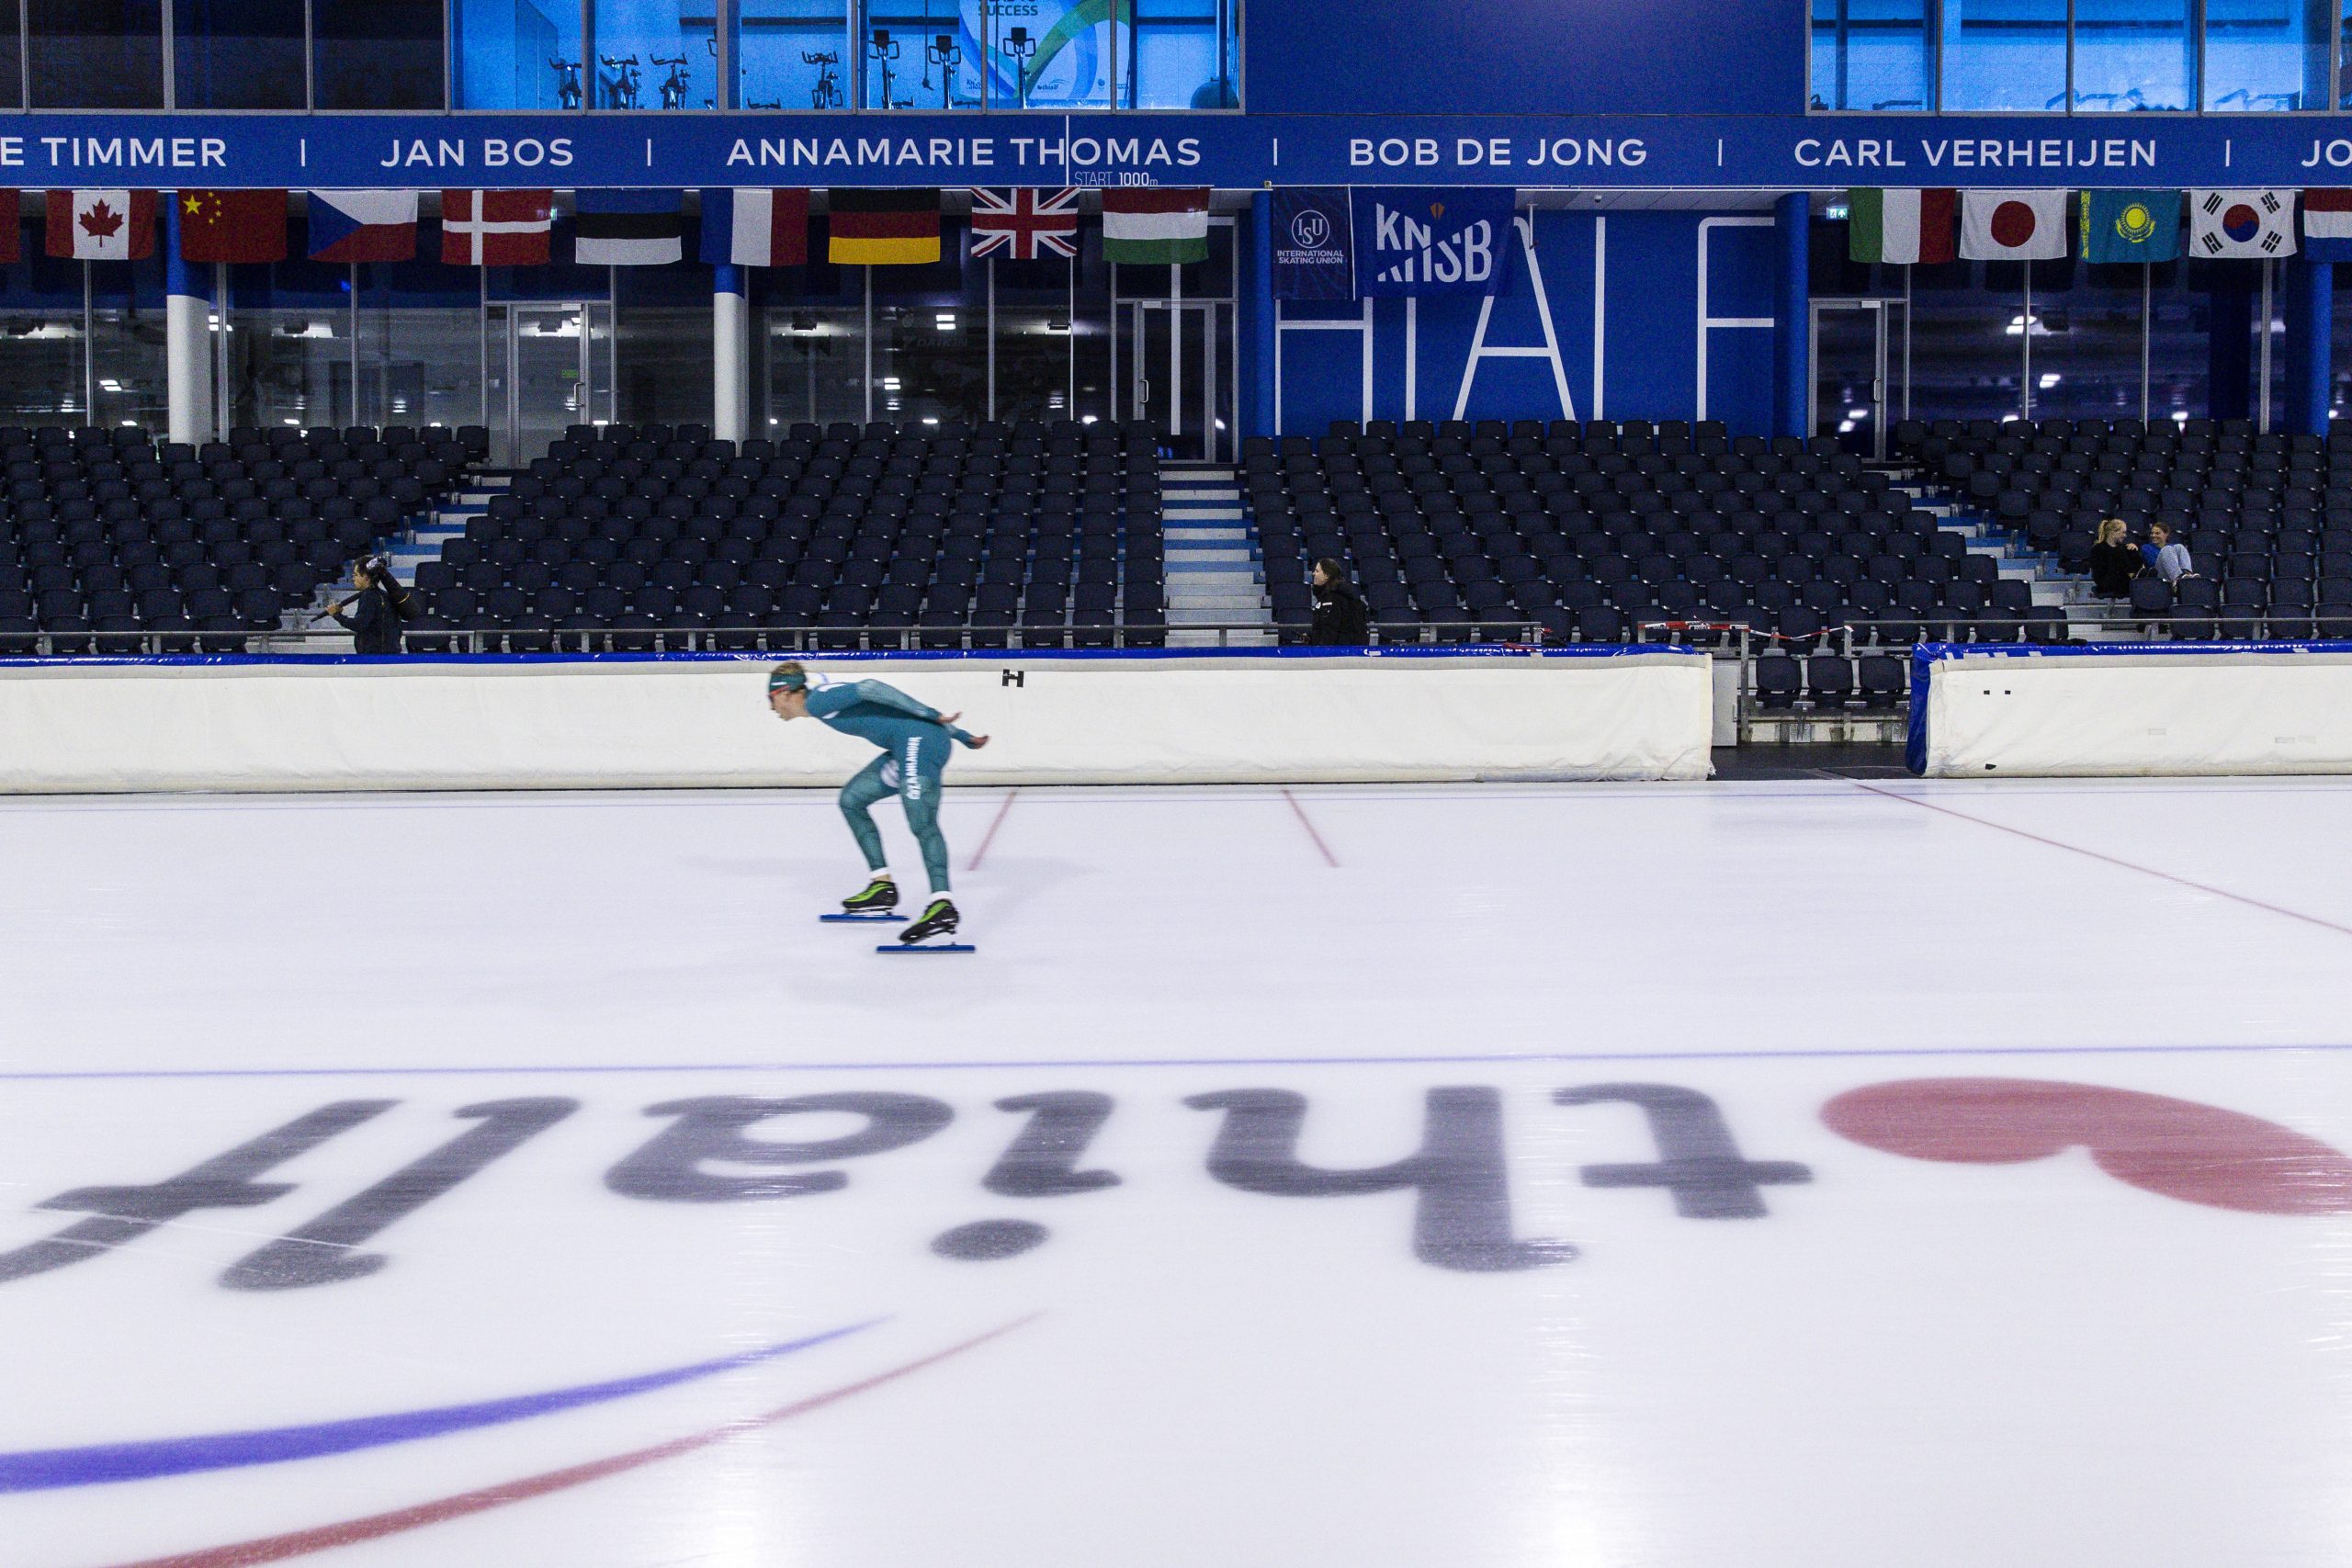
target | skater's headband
x=788, y=677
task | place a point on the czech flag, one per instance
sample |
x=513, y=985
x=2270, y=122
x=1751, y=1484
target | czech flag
x=363, y=225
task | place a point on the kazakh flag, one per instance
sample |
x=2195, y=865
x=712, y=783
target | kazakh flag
x=2130, y=225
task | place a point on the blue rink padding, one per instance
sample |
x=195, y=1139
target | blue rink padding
x=934, y=656
x=1925, y=656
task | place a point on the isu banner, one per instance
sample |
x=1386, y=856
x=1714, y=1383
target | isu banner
x=1313, y=244
x=1421, y=241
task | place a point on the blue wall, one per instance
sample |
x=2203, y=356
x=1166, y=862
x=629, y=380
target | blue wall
x=1648, y=322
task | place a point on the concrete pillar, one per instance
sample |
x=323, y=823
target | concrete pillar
x=731, y=353
x=2229, y=343
x=188, y=337
x=2311, y=325
x=1792, y=313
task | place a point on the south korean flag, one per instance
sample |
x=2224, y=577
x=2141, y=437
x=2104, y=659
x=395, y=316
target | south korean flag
x=2240, y=225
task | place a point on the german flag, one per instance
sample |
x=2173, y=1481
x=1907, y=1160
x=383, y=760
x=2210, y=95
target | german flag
x=883, y=228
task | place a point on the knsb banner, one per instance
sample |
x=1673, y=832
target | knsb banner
x=1431, y=241
x=1313, y=244
x=2131, y=226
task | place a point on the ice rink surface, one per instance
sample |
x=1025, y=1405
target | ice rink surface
x=1834, y=1173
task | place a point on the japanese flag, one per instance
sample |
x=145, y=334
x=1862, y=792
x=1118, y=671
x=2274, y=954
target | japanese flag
x=2012, y=225
x=2226, y=225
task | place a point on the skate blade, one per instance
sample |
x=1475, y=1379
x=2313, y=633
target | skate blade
x=861, y=916
x=927, y=947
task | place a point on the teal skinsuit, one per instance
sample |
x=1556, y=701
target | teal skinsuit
x=915, y=747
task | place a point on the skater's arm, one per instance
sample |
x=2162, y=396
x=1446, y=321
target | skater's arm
x=888, y=696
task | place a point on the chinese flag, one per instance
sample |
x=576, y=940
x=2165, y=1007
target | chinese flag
x=233, y=225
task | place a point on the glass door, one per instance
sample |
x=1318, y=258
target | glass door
x=1860, y=373
x=1181, y=380
x=558, y=373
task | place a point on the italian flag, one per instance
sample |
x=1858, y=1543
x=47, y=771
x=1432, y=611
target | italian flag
x=1902, y=226
x=1155, y=227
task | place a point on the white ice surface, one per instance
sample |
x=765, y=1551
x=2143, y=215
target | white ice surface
x=1901, y=1362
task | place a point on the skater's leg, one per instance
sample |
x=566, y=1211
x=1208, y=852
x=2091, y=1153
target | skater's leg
x=857, y=799
x=920, y=786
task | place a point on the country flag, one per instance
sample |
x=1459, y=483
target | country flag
x=363, y=225
x=2226, y=225
x=629, y=228
x=101, y=225
x=2013, y=225
x=496, y=228
x=756, y=227
x=12, y=237
x=235, y=226
x=2327, y=225
x=2122, y=226
x=1154, y=227
x=1900, y=227
x=1023, y=225
x=883, y=228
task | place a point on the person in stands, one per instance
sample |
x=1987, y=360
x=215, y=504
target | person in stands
x=2165, y=557
x=2115, y=559
x=1340, y=619
x=373, y=615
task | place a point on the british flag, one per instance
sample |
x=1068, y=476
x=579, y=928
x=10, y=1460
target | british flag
x=1024, y=224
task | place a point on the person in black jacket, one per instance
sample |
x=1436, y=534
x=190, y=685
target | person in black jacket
x=2115, y=559
x=373, y=615
x=1340, y=619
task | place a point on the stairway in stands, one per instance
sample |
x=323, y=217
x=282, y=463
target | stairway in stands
x=446, y=522
x=1215, y=575
x=2087, y=617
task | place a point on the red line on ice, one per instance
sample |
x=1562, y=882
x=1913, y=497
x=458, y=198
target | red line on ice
x=1308, y=823
x=989, y=837
x=375, y=1526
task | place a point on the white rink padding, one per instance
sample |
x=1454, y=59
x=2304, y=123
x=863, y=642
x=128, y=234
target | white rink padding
x=2122, y=710
x=310, y=724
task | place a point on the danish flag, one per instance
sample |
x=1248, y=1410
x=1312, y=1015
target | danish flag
x=1024, y=224
x=496, y=228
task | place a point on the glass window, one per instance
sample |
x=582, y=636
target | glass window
x=2005, y=54
x=2266, y=54
x=1182, y=56
x=289, y=367
x=1872, y=55
x=12, y=56
x=1047, y=55
x=519, y=54
x=664, y=363
x=42, y=353
x=385, y=54
x=418, y=365
x=931, y=340
x=789, y=54
x=655, y=54
x=1035, y=348
x=237, y=54
x=915, y=54
x=2132, y=54
x=126, y=345
x=96, y=54
x=814, y=369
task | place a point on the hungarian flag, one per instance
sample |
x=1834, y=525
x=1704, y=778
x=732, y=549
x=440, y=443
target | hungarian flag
x=363, y=225
x=756, y=227
x=1155, y=227
x=233, y=225
x=2327, y=225
x=101, y=225
x=2013, y=225
x=1024, y=224
x=496, y=228
x=883, y=228
x=629, y=228
x=2240, y=225
x=2131, y=226
x=1900, y=227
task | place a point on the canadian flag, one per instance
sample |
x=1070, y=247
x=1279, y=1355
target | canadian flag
x=101, y=225
x=496, y=228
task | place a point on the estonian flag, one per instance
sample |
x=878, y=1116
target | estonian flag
x=629, y=228
x=756, y=227
x=883, y=228
x=363, y=225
